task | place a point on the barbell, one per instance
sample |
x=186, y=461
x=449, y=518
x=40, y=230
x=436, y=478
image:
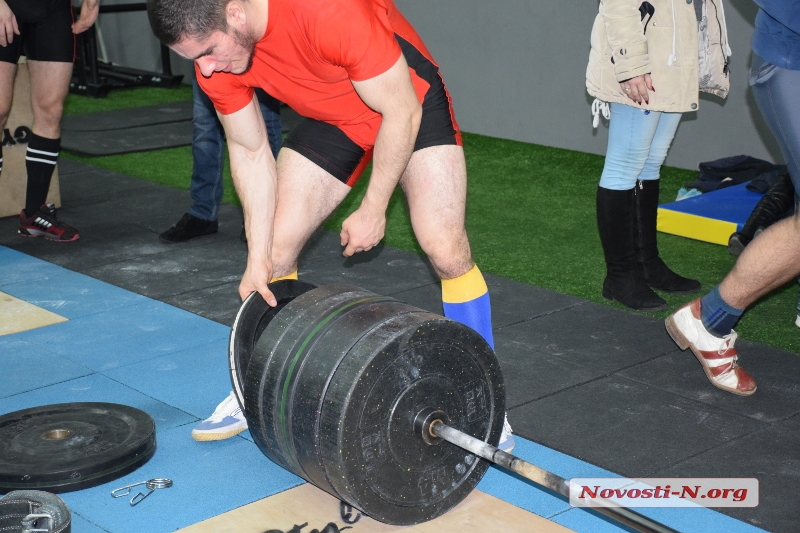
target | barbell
x=392, y=409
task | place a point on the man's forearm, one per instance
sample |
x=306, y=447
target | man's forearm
x=254, y=176
x=393, y=148
x=255, y=179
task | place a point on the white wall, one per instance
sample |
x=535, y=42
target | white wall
x=516, y=70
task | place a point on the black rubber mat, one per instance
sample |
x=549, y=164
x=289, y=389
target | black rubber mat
x=138, y=129
x=129, y=118
x=125, y=131
x=141, y=139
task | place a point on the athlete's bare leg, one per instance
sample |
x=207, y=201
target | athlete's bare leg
x=769, y=261
x=307, y=195
x=49, y=88
x=435, y=184
x=7, y=73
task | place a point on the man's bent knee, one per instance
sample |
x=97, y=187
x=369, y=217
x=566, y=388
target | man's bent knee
x=449, y=259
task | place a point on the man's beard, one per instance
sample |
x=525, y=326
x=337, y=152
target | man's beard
x=247, y=42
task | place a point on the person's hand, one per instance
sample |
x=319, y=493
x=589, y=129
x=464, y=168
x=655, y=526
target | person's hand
x=89, y=12
x=256, y=277
x=362, y=230
x=8, y=24
x=636, y=88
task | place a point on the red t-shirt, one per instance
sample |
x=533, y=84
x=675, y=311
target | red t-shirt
x=309, y=54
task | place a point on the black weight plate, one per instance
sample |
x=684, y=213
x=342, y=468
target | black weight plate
x=372, y=454
x=252, y=319
x=293, y=333
x=334, y=385
x=72, y=446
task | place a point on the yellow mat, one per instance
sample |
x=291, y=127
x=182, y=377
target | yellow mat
x=17, y=316
x=306, y=508
x=695, y=227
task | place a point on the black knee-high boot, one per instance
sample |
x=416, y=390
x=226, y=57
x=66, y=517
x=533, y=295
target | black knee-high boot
x=624, y=280
x=656, y=273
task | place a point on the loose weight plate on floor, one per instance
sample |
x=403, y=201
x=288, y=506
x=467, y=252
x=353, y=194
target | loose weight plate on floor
x=334, y=385
x=252, y=319
x=71, y=446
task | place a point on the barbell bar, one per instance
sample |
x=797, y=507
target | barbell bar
x=430, y=425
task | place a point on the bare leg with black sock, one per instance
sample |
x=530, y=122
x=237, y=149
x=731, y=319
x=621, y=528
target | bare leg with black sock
x=49, y=86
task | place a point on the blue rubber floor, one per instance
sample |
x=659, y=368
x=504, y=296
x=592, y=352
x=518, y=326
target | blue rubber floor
x=121, y=347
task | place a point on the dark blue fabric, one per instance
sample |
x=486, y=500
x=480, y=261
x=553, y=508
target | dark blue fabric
x=208, y=150
x=776, y=92
x=776, y=37
x=717, y=315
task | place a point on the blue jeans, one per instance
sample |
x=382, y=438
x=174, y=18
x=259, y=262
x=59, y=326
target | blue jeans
x=208, y=150
x=637, y=145
x=777, y=91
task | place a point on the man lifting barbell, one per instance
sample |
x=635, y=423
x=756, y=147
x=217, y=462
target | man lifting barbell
x=43, y=31
x=369, y=90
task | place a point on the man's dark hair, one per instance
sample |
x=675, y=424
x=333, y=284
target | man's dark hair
x=174, y=20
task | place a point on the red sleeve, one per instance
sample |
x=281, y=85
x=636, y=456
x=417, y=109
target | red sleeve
x=356, y=35
x=226, y=93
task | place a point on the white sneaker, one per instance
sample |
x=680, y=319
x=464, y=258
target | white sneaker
x=507, y=442
x=226, y=421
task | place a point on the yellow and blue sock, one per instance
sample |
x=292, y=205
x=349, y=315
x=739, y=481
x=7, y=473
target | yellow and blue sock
x=293, y=275
x=466, y=299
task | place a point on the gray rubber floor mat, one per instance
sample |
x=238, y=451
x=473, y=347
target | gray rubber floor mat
x=129, y=118
x=138, y=129
x=128, y=140
x=124, y=131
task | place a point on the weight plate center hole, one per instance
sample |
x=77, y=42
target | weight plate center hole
x=56, y=434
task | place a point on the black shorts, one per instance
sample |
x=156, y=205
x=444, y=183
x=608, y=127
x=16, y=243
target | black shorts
x=45, y=28
x=332, y=150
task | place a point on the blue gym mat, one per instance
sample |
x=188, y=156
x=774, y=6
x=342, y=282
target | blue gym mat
x=121, y=347
x=710, y=217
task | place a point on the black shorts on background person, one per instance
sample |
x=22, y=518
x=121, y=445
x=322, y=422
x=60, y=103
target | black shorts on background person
x=44, y=32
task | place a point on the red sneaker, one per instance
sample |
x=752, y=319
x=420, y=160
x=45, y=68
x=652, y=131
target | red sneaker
x=717, y=355
x=45, y=223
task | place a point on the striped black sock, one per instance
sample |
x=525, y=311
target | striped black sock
x=40, y=161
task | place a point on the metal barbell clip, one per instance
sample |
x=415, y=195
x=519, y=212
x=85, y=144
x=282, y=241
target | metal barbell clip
x=152, y=485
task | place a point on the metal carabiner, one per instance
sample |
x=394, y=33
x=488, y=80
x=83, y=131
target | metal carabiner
x=153, y=484
x=124, y=491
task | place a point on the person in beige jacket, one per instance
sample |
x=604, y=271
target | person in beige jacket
x=647, y=64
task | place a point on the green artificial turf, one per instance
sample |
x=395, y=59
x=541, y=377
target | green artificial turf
x=126, y=98
x=530, y=217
